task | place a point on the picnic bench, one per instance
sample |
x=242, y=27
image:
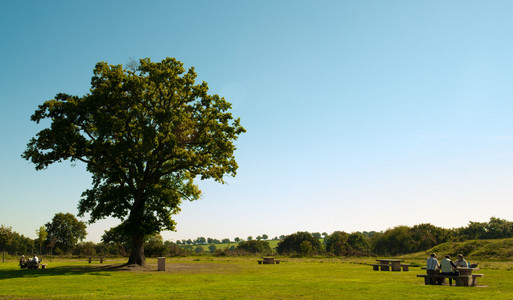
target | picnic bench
x=461, y=280
x=268, y=261
x=384, y=267
x=30, y=264
x=393, y=264
x=101, y=259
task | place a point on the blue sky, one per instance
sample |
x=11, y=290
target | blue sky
x=360, y=115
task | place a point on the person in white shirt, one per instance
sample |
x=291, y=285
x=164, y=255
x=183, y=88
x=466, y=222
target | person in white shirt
x=460, y=262
x=35, y=259
x=448, y=268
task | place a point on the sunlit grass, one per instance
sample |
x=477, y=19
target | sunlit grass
x=238, y=278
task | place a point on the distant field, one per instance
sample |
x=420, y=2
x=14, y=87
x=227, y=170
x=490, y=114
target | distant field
x=222, y=246
x=241, y=277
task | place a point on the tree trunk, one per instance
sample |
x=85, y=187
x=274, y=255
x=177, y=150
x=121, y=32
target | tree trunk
x=137, y=251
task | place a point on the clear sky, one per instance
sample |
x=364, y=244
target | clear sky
x=360, y=115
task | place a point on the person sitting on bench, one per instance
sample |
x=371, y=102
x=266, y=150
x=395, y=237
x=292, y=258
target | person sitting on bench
x=448, y=267
x=23, y=262
x=460, y=262
x=433, y=267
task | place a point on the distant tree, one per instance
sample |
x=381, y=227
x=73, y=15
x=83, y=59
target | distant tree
x=494, y=229
x=154, y=246
x=306, y=247
x=249, y=238
x=336, y=243
x=66, y=231
x=426, y=236
x=178, y=242
x=212, y=248
x=116, y=240
x=6, y=235
x=199, y=249
x=189, y=242
x=395, y=241
x=237, y=239
x=210, y=240
x=265, y=236
x=258, y=238
x=145, y=133
x=292, y=243
x=41, y=237
x=316, y=235
x=20, y=243
x=173, y=249
x=282, y=237
x=225, y=241
x=254, y=246
x=324, y=234
x=85, y=249
x=358, y=243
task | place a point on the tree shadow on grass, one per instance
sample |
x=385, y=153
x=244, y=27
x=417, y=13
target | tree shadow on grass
x=70, y=270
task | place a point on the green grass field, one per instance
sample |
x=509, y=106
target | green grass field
x=239, y=278
x=272, y=243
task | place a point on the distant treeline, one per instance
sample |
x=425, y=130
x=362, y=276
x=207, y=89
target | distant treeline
x=395, y=241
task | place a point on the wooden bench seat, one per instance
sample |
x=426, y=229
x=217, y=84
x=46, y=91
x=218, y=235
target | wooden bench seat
x=461, y=280
x=405, y=267
x=384, y=267
x=101, y=259
x=268, y=262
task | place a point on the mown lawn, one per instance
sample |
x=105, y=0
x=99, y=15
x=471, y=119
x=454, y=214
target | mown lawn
x=240, y=278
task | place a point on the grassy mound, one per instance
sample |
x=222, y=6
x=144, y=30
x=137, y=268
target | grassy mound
x=490, y=249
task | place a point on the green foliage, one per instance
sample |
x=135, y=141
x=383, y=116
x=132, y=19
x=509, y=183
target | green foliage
x=116, y=241
x=145, y=134
x=87, y=249
x=154, y=246
x=495, y=229
x=359, y=244
x=404, y=239
x=6, y=235
x=41, y=237
x=64, y=232
x=255, y=246
x=292, y=243
x=336, y=243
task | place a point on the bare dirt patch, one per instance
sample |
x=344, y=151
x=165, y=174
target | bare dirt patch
x=177, y=268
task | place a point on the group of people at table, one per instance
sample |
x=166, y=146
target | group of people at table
x=30, y=261
x=446, y=266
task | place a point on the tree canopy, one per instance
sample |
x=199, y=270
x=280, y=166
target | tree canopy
x=145, y=134
x=64, y=231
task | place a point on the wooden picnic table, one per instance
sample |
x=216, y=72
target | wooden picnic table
x=394, y=263
x=465, y=277
x=268, y=261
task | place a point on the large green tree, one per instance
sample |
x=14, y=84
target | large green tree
x=65, y=231
x=145, y=134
